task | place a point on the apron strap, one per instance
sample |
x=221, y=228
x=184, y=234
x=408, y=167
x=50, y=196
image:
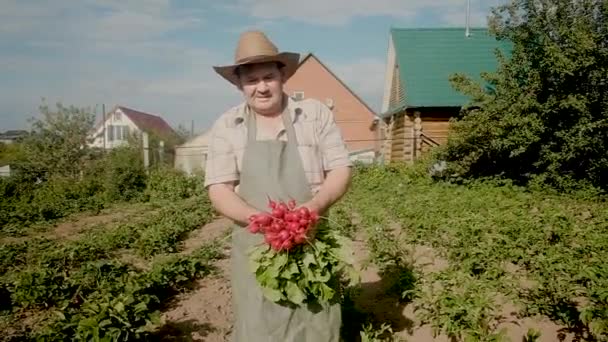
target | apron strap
x=287, y=123
x=251, y=126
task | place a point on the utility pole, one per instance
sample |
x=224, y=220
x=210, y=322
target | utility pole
x=468, y=20
x=103, y=111
x=146, y=150
x=192, y=129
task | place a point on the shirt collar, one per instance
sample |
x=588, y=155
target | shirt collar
x=292, y=107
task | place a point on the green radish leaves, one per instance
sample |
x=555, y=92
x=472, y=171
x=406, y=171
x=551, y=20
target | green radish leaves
x=308, y=272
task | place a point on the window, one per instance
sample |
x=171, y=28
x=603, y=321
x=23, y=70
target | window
x=117, y=132
x=298, y=95
x=117, y=116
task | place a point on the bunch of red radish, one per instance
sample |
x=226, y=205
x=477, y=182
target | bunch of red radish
x=285, y=226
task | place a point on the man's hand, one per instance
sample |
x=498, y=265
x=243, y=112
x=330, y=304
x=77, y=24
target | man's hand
x=229, y=204
x=334, y=187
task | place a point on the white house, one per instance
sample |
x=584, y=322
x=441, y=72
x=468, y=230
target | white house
x=10, y=137
x=5, y=171
x=191, y=156
x=121, y=122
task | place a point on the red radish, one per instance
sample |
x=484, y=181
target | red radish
x=276, y=226
x=287, y=245
x=293, y=226
x=278, y=213
x=299, y=239
x=304, y=212
x=314, y=217
x=276, y=245
x=304, y=222
x=291, y=217
x=254, y=228
x=272, y=204
x=283, y=207
x=263, y=219
x=283, y=235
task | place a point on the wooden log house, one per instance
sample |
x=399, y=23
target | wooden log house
x=419, y=100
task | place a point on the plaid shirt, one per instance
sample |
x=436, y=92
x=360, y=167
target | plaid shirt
x=320, y=142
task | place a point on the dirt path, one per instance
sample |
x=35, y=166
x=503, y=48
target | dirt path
x=205, y=313
x=72, y=227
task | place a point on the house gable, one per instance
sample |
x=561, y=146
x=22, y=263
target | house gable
x=121, y=122
x=354, y=117
x=152, y=124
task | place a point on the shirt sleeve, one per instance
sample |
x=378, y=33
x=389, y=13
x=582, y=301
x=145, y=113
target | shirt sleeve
x=332, y=145
x=221, y=165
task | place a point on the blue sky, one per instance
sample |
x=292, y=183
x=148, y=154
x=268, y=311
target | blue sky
x=156, y=55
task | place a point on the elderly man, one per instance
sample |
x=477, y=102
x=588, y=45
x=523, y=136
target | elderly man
x=272, y=147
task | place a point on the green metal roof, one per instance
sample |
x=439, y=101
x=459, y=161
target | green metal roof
x=427, y=57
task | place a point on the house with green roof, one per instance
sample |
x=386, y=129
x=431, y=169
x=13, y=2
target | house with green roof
x=418, y=99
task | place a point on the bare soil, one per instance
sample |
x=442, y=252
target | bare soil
x=71, y=227
x=205, y=313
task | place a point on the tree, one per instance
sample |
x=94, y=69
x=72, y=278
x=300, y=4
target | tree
x=544, y=113
x=58, y=143
x=9, y=153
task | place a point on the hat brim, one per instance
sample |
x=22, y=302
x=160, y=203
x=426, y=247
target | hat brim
x=290, y=60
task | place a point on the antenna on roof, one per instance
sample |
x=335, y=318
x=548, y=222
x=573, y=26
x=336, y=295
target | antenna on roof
x=468, y=32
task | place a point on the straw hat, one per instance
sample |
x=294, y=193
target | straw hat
x=255, y=47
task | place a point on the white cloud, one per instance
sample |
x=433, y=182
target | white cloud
x=100, y=40
x=341, y=12
x=129, y=26
x=20, y=17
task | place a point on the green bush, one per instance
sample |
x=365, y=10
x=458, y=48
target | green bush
x=166, y=183
x=44, y=201
x=543, y=114
x=123, y=174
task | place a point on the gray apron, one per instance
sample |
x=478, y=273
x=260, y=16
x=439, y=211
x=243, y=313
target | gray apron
x=272, y=168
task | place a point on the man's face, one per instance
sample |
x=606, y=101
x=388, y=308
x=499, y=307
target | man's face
x=262, y=86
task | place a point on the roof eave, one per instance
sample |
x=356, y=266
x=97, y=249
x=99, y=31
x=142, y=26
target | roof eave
x=400, y=109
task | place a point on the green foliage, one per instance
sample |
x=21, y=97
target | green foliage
x=384, y=333
x=460, y=308
x=117, y=176
x=124, y=305
x=544, y=115
x=163, y=235
x=9, y=153
x=57, y=144
x=26, y=204
x=169, y=184
x=123, y=174
x=309, y=273
x=541, y=250
x=94, y=295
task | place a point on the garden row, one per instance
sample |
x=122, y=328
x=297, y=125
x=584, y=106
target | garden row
x=82, y=289
x=543, y=252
